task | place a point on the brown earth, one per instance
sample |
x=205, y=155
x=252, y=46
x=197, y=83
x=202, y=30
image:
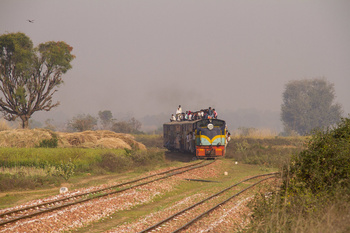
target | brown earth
x=87, y=139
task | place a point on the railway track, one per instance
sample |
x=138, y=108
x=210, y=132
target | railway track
x=171, y=224
x=31, y=211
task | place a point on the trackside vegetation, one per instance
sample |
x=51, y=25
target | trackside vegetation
x=314, y=195
x=266, y=152
x=50, y=166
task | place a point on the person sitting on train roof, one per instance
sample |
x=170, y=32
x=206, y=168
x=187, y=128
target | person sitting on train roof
x=186, y=116
x=215, y=113
x=178, y=117
x=210, y=113
x=178, y=111
x=172, y=118
x=189, y=115
x=206, y=115
x=197, y=116
x=194, y=115
x=201, y=114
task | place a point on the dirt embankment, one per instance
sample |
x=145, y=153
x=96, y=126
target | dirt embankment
x=87, y=139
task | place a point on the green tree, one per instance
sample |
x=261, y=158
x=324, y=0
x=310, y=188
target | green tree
x=30, y=76
x=121, y=127
x=131, y=126
x=106, y=118
x=308, y=104
x=83, y=122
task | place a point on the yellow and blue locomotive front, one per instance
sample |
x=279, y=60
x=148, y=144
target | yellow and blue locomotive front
x=210, y=138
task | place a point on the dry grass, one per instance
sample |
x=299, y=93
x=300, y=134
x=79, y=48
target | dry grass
x=23, y=137
x=254, y=133
x=29, y=138
x=24, y=171
x=326, y=217
x=4, y=125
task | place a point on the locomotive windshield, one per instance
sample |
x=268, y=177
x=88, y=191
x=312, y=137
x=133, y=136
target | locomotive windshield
x=204, y=123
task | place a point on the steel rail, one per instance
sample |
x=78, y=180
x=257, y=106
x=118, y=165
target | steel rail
x=216, y=206
x=206, y=199
x=103, y=195
x=92, y=192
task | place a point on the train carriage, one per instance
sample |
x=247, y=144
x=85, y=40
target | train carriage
x=206, y=138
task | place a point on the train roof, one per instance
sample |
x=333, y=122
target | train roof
x=187, y=122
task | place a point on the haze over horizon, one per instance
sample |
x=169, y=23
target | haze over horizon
x=142, y=58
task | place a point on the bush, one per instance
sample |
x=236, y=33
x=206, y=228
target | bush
x=64, y=169
x=131, y=159
x=144, y=158
x=270, y=152
x=18, y=181
x=49, y=143
x=324, y=165
x=112, y=162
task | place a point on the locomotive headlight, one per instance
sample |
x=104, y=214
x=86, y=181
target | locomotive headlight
x=210, y=126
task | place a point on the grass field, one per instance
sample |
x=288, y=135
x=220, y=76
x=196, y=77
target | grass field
x=33, y=168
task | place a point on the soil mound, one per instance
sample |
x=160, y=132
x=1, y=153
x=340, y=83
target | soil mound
x=87, y=139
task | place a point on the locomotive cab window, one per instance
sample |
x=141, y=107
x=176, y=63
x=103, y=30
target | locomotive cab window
x=215, y=122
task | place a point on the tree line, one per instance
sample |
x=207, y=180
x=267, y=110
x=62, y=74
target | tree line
x=83, y=122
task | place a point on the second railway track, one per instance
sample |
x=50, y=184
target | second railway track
x=172, y=223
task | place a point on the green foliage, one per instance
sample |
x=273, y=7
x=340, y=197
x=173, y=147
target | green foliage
x=16, y=49
x=40, y=157
x=324, y=165
x=49, y=143
x=308, y=105
x=243, y=146
x=67, y=162
x=65, y=169
x=57, y=54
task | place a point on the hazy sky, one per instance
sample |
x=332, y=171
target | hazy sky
x=147, y=57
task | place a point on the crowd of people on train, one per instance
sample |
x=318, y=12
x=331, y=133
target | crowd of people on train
x=191, y=116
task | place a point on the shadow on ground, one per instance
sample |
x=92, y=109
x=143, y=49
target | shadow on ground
x=177, y=156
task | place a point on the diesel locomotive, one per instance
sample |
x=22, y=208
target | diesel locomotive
x=205, y=138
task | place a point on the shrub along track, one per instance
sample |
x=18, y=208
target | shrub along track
x=187, y=217
x=8, y=217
